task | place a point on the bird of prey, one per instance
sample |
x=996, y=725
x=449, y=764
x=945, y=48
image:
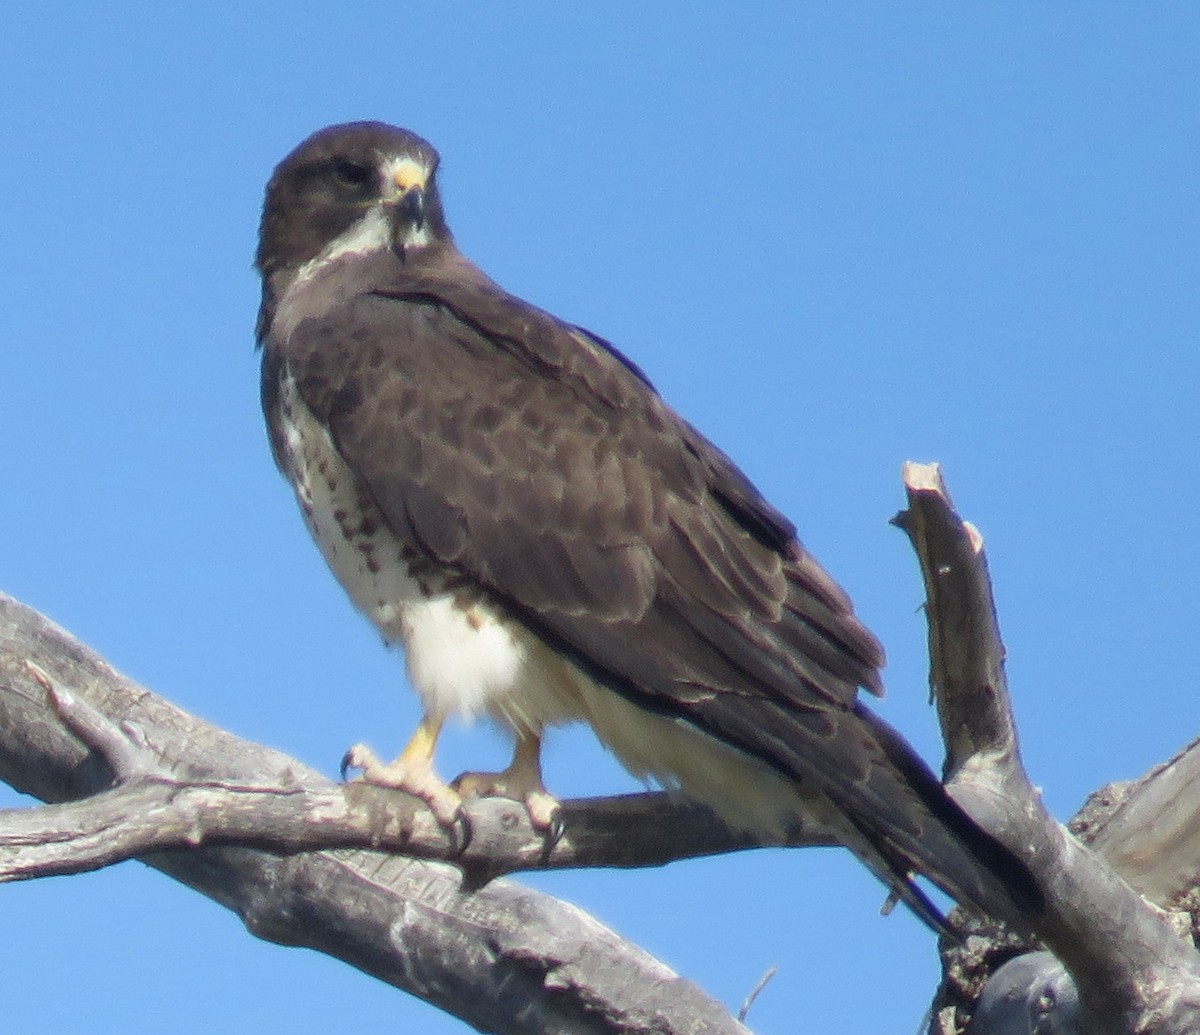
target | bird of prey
x=506, y=497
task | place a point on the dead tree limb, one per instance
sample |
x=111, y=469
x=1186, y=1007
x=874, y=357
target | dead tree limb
x=148, y=808
x=1132, y=970
x=501, y=957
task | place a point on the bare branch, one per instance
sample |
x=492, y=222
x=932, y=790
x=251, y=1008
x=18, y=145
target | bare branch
x=501, y=957
x=1152, y=836
x=151, y=810
x=1132, y=970
x=157, y=813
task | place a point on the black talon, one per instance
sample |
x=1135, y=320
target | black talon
x=346, y=764
x=461, y=832
x=554, y=834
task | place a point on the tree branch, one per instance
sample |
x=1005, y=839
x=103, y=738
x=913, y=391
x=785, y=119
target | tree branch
x=1133, y=971
x=1151, y=833
x=149, y=810
x=501, y=957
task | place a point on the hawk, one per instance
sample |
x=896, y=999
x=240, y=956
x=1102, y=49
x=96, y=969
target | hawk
x=506, y=497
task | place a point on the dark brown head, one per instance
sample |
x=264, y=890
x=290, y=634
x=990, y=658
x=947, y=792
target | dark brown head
x=357, y=187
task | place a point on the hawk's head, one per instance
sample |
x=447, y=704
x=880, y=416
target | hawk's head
x=357, y=187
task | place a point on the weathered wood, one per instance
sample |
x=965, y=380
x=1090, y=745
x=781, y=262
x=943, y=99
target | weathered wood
x=1132, y=970
x=502, y=957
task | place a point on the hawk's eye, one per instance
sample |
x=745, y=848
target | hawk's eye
x=352, y=174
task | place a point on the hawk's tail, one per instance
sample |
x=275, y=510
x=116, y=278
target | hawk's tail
x=886, y=804
x=952, y=850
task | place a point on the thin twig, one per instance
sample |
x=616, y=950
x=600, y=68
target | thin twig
x=748, y=1002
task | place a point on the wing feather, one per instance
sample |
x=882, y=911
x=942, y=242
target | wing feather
x=532, y=457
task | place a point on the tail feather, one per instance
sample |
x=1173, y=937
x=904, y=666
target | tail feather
x=895, y=814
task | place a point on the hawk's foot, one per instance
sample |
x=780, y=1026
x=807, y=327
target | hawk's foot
x=412, y=776
x=521, y=781
x=541, y=805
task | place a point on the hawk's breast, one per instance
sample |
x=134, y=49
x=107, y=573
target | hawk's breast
x=463, y=655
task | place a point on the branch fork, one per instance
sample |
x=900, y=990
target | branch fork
x=1130, y=969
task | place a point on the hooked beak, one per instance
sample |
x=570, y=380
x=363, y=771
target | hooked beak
x=412, y=207
x=410, y=182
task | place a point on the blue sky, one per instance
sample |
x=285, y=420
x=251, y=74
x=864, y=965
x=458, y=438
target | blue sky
x=836, y=236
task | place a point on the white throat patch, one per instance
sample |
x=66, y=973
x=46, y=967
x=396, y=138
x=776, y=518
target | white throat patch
x=371, y=233
x=417, y=237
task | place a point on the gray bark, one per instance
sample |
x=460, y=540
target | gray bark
x=501, y=957
x=1133, y=967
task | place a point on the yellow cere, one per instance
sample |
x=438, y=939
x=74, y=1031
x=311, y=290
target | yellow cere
x=407, y=173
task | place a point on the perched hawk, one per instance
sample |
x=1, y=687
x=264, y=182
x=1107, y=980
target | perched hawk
x=507, y=497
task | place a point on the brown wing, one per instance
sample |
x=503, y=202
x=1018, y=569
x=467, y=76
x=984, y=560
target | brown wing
x=526, y=454
x=531, y=457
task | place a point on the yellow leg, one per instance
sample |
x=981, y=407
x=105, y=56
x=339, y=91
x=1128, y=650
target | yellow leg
x=412, y=772
x=521, y=780
x=418, y=752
